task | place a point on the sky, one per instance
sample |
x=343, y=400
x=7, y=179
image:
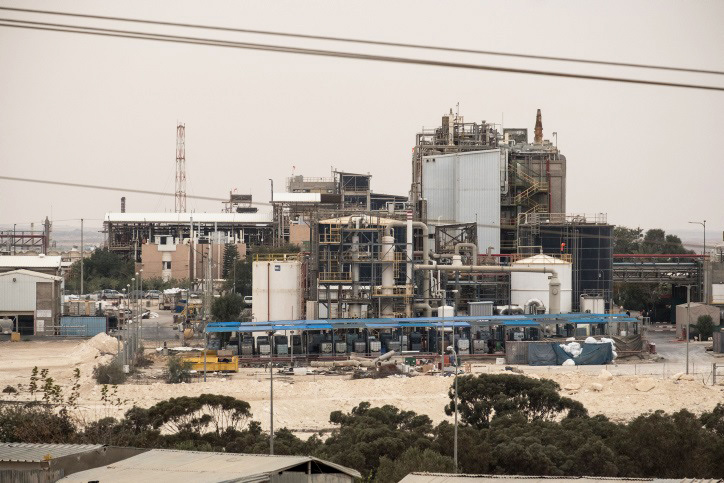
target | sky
x=103, y=111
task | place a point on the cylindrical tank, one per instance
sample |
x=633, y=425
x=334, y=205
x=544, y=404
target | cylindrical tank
x=526, y=286
x=387, y=255
x=276, y=290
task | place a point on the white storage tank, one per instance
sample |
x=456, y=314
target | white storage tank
x=276, y=290
x=530, y=286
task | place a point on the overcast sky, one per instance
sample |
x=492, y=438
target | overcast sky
x=103, y=111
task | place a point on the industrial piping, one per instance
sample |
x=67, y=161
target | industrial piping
x=554, y=286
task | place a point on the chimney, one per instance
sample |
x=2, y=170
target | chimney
x=538, y=129
x=123, y=198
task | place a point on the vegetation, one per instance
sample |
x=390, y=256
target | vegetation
x=240, y=272
x=177, y=370
x=231, y=255
x=510, y=424
x=640, y=296
x=110, y=373
x=704, y=326
x=227, y=308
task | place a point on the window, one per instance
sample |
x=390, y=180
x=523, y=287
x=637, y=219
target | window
x=166, y=265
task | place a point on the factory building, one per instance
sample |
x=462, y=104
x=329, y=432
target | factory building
x=179, y=245
x=29, y=302
x=528, y=177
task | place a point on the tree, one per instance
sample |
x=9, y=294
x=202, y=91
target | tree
x=627, y=240
x=413, y=459
x=102, y=269
x=704, y=326
x=227, y=308
x=231, y=255
x=482, y=398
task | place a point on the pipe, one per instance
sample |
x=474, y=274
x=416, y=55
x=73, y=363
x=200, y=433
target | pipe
x=528, y=305
x=425, y=253
x=472, y=246
x=355, y=309
x=554, y=286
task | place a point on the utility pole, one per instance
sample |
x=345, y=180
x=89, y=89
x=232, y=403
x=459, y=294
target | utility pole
x=688, y=324
x=180, y=168
x=81, y=257
x=271, y=393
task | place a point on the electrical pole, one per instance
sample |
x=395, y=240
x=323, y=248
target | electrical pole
x=81, y=257
x=271, y=393
x=688, y=324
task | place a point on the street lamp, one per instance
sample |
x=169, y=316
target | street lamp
x=688, y=324
x=702, y=223
x=455, y=433
x=271, y=392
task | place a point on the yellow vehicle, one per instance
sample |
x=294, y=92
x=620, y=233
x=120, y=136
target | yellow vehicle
x=214, y=363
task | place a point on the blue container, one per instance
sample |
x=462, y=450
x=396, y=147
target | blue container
x=79, y=326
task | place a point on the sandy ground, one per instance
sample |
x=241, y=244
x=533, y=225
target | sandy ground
x=303, y=403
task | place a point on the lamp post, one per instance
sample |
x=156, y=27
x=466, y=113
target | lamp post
x=688, y=324
x=455, y=430
x=271, y=392
x=703, y=224
x=140, y=291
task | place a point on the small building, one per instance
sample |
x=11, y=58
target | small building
x=159, y=465
x=31, y=300
x=41, y=463
x=696, y=310
x=51, y=265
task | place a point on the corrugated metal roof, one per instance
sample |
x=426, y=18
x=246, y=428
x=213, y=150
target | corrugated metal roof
x=182, y=218
x=297, y=198
x=29, y=261
x=30, y=452
x=31, y=274
x=169, y=465
x=464, y=478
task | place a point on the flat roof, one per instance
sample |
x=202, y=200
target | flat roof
x=397, y=322
x=36, y=453
x=30, y=261
x=197, y=466
x=467, y=478
x=183, y=218
x=297, y=197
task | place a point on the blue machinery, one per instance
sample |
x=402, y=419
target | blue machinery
x=338, y=337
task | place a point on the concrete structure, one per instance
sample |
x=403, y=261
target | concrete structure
x=47, y=463
x=50, y=265
x=532, y=289
x=165, y=258
x=157, y=465
x=31, y=300
x=465, y=188
x=697, y=309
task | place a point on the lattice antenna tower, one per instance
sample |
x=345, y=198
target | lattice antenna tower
x=180, y=168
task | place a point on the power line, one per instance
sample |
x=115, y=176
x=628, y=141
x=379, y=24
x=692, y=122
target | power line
x=363, y=41
x=113, y=188
x=77, y=29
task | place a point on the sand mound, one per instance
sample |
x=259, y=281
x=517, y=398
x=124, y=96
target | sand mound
x=104, y=343
x=89, y=350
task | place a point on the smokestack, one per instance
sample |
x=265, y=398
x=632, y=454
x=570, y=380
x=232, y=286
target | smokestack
x=123, y=202
x=538, y=129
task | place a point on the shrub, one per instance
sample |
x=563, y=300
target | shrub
x=9, y=390
x=110, y=373
x=177, y=370
x=704, y=326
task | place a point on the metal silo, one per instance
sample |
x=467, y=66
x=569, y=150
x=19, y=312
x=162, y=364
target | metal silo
x=276, y=290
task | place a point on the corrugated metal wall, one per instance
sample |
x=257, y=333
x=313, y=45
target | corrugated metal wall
x=18, y=295
x=465, y=188
x=82, y=326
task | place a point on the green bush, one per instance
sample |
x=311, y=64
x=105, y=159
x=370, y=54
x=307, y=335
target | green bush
x=177, y=370
x=110, y=373
x=704, y=326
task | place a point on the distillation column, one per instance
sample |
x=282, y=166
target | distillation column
x=387, y=257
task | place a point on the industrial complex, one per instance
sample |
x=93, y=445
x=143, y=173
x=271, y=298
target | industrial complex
x=483, y=239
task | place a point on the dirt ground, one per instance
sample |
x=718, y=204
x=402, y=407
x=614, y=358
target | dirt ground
x=303, y=403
